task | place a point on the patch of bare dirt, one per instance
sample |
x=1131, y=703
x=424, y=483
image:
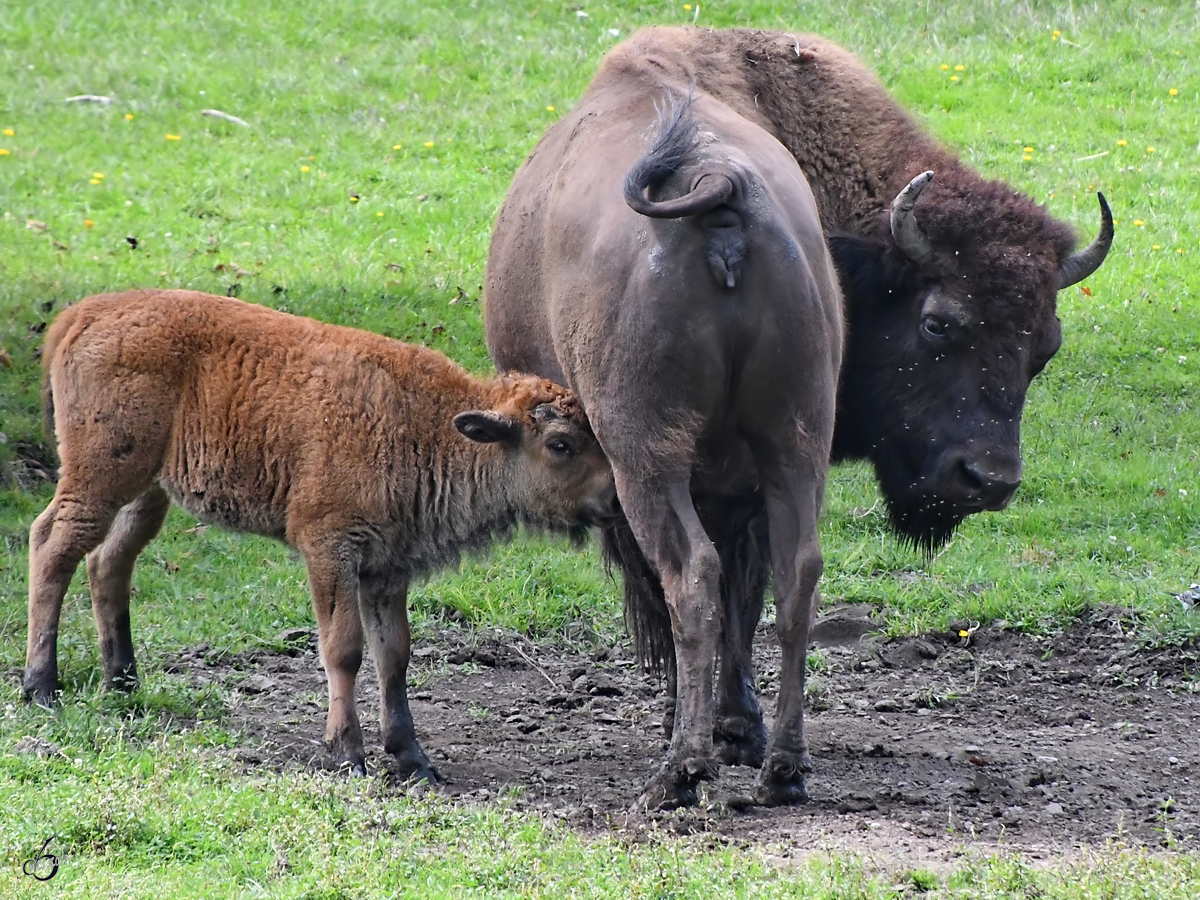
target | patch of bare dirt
x=921, y=745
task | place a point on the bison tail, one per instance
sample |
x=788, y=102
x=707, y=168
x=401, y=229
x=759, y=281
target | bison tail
x=674, y=146
x=646, y=614
x=738, y=527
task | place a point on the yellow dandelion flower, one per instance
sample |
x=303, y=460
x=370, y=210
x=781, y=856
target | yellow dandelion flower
x=944, y=67
x=1138, y=223
x=429, y=143
x=95, y=181
x=1056, y=35
x=1027, y=158
x=1178, y=249
x=1122, y=143
x=1026, y=149
x=959, y=68
x=1156, y=247
x=379, y=214
x=687, y=6
x=963, y=633
x=1149, y=149
x=1173, y=91
x=3, y=151
x=549, y=109
x=97, y=174
x=354, y=198
x=10, y=132
x=128, y=117
x=88, y=223
x=954, y=78
x=174, y=137
x=397, y=146
x=304, y=168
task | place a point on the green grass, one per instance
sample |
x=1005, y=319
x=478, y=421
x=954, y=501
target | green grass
x=422, y=112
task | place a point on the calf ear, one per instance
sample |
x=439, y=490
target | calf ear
x=488, y=427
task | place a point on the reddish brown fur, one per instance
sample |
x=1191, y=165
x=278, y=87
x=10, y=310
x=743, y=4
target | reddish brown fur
x=338, y=441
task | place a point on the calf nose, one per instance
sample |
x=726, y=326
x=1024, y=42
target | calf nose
x=992, y=484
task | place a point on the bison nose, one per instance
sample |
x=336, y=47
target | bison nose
x=991, y=484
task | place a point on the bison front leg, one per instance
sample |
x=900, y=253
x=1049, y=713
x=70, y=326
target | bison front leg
x=794, y=493
x=333, y=579
x=668, y=529
x=383, y=603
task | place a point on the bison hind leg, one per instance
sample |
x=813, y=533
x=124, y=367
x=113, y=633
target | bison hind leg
x=110, y=574
x=66, y=531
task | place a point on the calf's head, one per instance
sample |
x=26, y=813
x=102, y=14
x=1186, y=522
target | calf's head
x=555, y=474
x=949, y=322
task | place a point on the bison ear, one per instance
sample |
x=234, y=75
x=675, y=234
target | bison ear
x=865, y=269
x=488, y=427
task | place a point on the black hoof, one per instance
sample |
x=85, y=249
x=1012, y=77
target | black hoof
x=781, y=780
x=41, y=690
x=676, y=784
x=740, y=742
x=124, y=680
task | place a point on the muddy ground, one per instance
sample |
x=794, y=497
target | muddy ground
x=922, y=746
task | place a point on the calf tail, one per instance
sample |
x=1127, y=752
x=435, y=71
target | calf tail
x=54, y=337
x=677, y=139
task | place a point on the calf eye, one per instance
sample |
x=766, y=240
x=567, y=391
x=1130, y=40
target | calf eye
x=560, y=448
x=936, y=328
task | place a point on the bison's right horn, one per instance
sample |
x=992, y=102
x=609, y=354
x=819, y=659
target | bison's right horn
x=1079, y=266
x=905, y=230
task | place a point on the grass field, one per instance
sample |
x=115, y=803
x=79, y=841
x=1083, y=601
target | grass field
x=381, y=138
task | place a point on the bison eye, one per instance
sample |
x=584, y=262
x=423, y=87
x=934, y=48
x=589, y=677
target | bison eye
x=560, y=448
x=936, y=328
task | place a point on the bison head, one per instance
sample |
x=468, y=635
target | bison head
x=949, y=322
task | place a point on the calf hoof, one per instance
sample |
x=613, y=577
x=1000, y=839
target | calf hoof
x=738, y=741
x=781, y=780
x=675, y=784
x=352, y=759
x=125, y=679
x=415, y=767
x=41, y=689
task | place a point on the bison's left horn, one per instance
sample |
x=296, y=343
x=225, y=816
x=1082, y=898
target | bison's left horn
x=905, y=230
x=1080, y=265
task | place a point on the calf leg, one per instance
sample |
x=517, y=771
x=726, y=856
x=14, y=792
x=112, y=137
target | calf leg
x=665, y=523
x=383, y=604
x=333, y=579
x=794, y=493
x=110, y=573
x=66, y=531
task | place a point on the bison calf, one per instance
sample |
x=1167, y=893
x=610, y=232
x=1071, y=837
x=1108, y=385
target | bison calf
x=337, y=441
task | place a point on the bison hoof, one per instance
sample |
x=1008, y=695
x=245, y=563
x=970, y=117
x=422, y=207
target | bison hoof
x=740, y=742
x=675, y=784
x=781, y=780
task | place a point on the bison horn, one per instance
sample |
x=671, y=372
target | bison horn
x=1079, y=266
x=905, y=230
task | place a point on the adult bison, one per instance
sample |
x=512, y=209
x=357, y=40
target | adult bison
x=949, y=283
